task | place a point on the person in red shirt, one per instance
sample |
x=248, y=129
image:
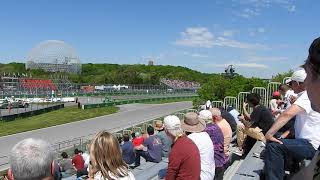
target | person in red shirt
x=182, y=164
x=78, y=163
x=138, y=140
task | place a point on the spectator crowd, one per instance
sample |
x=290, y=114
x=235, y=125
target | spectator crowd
x=198, y=146
x=180, y=84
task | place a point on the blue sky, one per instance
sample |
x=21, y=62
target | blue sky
x=260, y=37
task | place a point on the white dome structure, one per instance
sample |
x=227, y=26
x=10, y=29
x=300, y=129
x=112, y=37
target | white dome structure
x=54, y=56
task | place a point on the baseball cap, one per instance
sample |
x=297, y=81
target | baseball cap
x=288, y=81
x=205, y=115
x=172, y=122
x=299, y=75
x=276, y=93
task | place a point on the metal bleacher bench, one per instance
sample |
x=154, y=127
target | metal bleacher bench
x=149, y=170
x=252, y=166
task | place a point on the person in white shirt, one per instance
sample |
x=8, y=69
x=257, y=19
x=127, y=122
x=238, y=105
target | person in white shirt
x=312, y=83
x=288, y=95
x=307, y=127
x=274, y=104
x=194, y=127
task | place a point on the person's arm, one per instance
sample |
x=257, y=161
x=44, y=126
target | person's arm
x=285, y=134
x=140, y=147
x=283, y=119
x=245, y=112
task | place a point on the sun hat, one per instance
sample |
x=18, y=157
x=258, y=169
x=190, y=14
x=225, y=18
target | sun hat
x=299, y=75
x=172, y=122
x=192, y=123
x=158, y=125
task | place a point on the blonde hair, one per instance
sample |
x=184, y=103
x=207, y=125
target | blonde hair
x=106, y=156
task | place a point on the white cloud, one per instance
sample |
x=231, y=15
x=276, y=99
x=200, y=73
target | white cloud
x=248, y=12
x=266, y=59
x=199, y=55
x=244, y=65
x=203, y=38
x=228, y=33
x=196, y=37
x=255, y=7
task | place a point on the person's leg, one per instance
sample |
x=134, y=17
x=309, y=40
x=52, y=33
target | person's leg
x=147, y=156
x=219, y=172
x=137, y=159
x=240, y=135
x=162, y=173
x=276, y=155
x=255, y=133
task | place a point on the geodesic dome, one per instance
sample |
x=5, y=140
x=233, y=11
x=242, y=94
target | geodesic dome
x=54, y=56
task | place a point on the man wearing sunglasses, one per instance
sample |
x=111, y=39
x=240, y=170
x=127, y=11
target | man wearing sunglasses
x=312, y=84
x=307, y=128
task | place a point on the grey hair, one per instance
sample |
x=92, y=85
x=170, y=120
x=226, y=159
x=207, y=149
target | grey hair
x=175, y=132
x=215, y=112
x=31, y=159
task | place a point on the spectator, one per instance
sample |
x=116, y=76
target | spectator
x=183, y=165
x=205, y=115
x=138, y=140
x=78, y=163
x=235, y=114
x=106, y=159
x=220, y=159
x=150, y=149
x=288, y=94
x=312, y=81
x=307, y=126
x=312, y=84
x=229, y=118
x=67, y=169
x=165, y=140
x=194, y=127
x=85, y=157
x=225, y=128
x=31, y=159
x=275, y=103
x=127, y=150
x=254, y=125
x=208, y=105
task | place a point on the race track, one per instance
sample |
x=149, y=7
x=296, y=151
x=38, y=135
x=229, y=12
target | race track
x=128, y=115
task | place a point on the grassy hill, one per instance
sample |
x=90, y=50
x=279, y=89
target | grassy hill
x=115, y=73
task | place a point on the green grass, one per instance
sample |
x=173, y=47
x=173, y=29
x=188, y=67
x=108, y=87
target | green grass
x=61, y=116
x=170, y=100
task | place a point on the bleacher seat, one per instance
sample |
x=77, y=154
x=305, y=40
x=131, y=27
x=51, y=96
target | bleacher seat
x=252, y=166
x=38, y=84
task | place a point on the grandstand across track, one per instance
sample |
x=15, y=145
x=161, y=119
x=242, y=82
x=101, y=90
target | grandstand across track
x=128, y=115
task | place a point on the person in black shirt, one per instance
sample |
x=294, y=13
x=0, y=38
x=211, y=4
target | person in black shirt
x=229, y=118
x=255, y=125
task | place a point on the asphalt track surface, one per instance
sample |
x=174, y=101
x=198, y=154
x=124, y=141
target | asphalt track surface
x=128, y=115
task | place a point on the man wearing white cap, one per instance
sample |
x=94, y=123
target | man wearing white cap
x=184, y=158
x=307, y=127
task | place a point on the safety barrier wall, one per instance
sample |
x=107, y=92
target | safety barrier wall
x=12, y=116
x=120, y=102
